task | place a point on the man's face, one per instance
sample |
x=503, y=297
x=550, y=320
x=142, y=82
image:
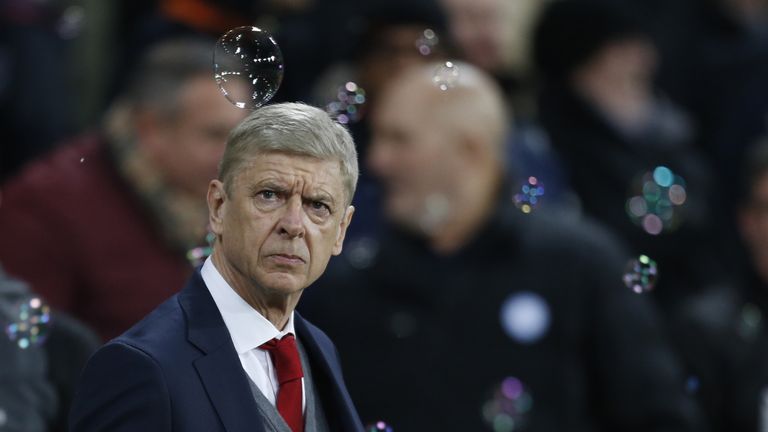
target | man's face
x=476, y=26
x=413, y=156
x=188, y=147
x=753, y=222
x=283, y=218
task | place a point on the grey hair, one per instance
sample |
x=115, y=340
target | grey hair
x=293, y=128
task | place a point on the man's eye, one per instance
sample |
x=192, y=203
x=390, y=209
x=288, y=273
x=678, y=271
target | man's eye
x=268, y=194
x=320, y=206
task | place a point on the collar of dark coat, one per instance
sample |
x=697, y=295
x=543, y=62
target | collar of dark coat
x=225, y=380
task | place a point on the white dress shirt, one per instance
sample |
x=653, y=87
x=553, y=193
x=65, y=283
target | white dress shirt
x=249, y=330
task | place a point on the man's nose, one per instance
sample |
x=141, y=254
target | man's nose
x=291, y=222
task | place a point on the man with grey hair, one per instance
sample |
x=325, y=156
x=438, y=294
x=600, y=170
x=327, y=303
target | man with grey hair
x=229, y=352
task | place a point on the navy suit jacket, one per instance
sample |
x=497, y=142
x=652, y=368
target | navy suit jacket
x=177, y=370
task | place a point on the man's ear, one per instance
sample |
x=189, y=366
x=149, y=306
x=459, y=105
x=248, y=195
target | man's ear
x=217, y=198
x=346, y=219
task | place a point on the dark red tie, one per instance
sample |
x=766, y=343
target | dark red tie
x=285, y=356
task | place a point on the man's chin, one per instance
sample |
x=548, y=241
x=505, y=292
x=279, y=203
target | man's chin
x=284, y=284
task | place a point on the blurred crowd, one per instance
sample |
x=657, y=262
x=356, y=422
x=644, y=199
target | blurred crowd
x=561, y=220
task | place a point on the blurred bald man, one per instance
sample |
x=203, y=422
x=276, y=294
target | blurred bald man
x=464, y=291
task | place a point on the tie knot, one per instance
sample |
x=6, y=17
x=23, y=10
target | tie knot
x=285, y=356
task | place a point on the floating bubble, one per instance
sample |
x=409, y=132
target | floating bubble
x=82, y=159
x=657, y=202
x=508, y=408
x=361, y=252
x=248, y=66
x=652, y=224
x=427, y=42
x=750, y=321
x=29, y=326
x=529, y=196
x=663, y=176
x=378, y=426
x=446, y=76
x=349, y=105
x=70, y=23
x=641, y=274
x=197, y=255
x=692, y=384
x=525, y=317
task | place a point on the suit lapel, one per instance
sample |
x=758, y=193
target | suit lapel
x=329, y=384
x=219, y=367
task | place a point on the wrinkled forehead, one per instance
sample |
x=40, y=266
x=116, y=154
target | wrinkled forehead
x=287, y=166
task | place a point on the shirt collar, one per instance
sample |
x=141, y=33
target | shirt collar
x=248, y=328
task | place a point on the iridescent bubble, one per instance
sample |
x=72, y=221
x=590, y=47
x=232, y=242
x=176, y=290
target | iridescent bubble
x=349, y=105
x=70, y=23
x=641, y=274
x=530, y=195
x=663, y=176
x=692, y=384
x=361, y=252
x=508, y=408
x=525, y=317
x=196, y=256
x=750, y=321
x=248, y=66
x=652, y=224
x=446, y=76
x=31, y=318
x=378, y=426
x=657, y=202
x=427, y=42
x=677, y=194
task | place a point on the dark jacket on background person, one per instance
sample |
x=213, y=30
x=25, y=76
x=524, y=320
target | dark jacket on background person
x=604, y=166
x=420, y=335
x=78, y=234
x=37, y=382
x=723, y=338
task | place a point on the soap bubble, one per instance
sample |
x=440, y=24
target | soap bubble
x=427, y=42
x=70, y=23
x=508, y=408
x=196, y=256
x=750, y=321
x=692, y=384
x=248, y=66
x=656, y=204
x=446, y=76
x=530, y=195
x=361, y=252
x=29, y=325
x=349, y=105
x=378, y=426
x=525, y=317
x=641, y=274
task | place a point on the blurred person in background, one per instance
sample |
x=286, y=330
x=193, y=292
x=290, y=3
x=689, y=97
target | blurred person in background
x=388, y=38
x=101, y=228
x=611, y=131
x=465, y=292
x=37, y=104
x=722, y=332
x=42, y=353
